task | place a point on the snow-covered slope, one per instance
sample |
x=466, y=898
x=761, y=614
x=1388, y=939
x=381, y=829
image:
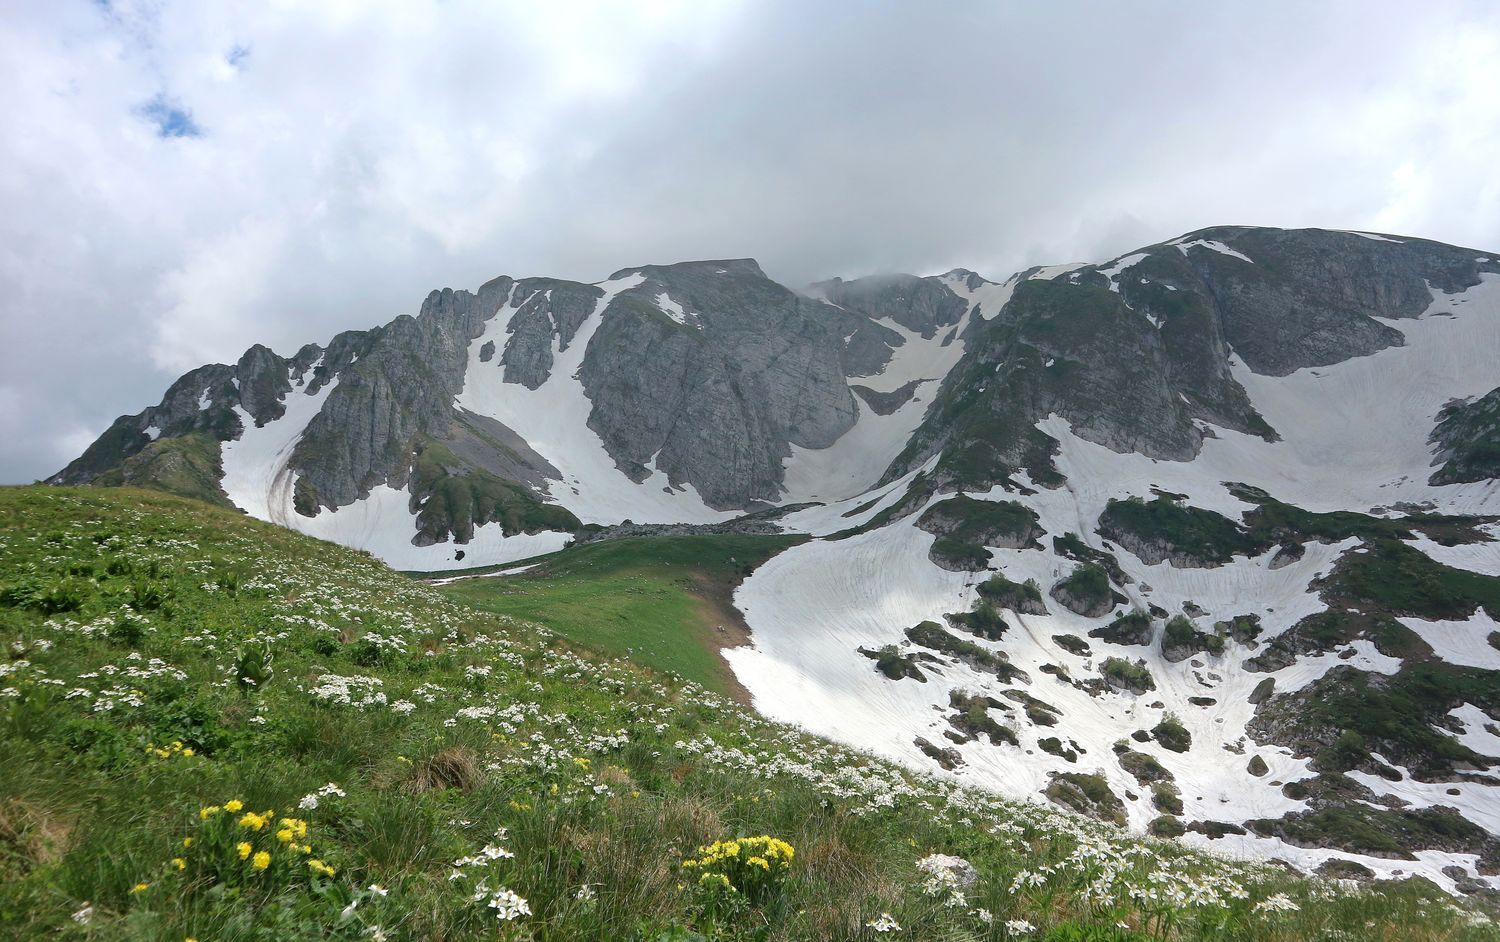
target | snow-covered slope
x=1352, y=436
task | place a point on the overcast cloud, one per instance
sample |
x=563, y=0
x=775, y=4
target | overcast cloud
x=179, y=180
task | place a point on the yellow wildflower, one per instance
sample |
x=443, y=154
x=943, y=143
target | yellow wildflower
x=179, y=863
x=205, y=813
x=252, y=821
x=244, y=848
x=188, y=751
x=187, y=842
x=261, y=861
x=233, y=805
x=284, y=835
x=140, y=888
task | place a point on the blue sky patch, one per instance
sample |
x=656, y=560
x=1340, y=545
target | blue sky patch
x=170, y=118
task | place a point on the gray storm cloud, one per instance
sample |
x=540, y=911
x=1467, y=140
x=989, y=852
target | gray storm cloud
x=181, y=181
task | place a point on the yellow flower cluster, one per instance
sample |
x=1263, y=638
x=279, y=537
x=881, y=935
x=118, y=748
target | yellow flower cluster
x=766, y=852
x=233, y=833
x=753, y=866
x=255, y=821
x=171, y=750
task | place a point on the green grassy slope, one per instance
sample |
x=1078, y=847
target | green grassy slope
x=663, y=601
x=214, y=729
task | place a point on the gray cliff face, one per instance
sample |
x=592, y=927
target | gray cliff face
x=202, y=402
x=715, y=395
x=1309, y=295
x=1139, y=359
x=1074, y=348
x=923, y=305
x=401, y=388
x=548, y=311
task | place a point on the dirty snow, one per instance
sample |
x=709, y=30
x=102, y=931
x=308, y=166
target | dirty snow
x=676, y=312
x=1215, y=245
x=1118, y=266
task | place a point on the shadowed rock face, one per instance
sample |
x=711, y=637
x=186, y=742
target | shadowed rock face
x=922, y=305
x=1468, y=439
x=1310, y=296
x=549, y=311
x=713, y=370
x=1136, y=354
x=204, y=401
x=710, y=371
x=401, y=388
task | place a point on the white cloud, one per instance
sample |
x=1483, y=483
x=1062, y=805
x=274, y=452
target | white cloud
x=354, y=155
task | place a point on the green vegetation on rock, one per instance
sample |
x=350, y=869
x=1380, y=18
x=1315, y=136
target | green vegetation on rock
x=1085, y=590
x=1403, y=580
x=1172, y=734
x=1395, y=716
x=1127, y=675
x=453, y=497
x=1469, y=435
x=1024, y=597
x=965, y=527
x=1087, y=794
x=929, y=634
x=188, y=466
x=1133, y=627
x=1167, y=529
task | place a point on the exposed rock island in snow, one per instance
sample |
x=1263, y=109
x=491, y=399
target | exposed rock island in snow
x=1204, y=539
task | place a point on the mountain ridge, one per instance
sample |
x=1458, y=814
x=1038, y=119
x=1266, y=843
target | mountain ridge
x=365, y=435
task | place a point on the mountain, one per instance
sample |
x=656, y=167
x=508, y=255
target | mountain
x=1200, y=540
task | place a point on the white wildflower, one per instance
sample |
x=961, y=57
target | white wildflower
x=1280, y=903
x=508, y=906
x=884, y=924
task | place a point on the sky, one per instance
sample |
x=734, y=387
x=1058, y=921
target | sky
x=180, y=180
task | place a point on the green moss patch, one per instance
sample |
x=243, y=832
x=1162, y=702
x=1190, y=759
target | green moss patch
x=453, y=498
x=1165, y=528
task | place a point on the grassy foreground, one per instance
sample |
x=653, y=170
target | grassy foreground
x=214, y=729
x=664, y=602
